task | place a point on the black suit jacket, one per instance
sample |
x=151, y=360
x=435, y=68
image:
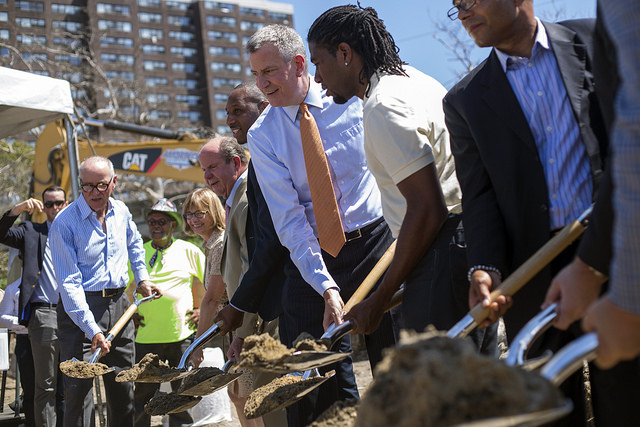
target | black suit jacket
x=260, y=290
x=31, y=239
x=504, y=191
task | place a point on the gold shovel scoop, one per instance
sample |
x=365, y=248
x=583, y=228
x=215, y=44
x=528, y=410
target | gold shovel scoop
x=80, y=369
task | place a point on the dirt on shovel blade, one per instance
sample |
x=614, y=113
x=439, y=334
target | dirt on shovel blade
x=169, y=403
x=82, y=369
x=272, y=396
x=149, y=369
x=340, y=414
x=201, y=381
x=265, y=351
x=431, y=380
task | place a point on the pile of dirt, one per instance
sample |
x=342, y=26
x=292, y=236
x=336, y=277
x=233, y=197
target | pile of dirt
x=82, y=369
x=306, y=342
x=261, y=350
x=340, y=414
x=169, y=403
x=432, y=380
x=150, y=367
x=279, y=392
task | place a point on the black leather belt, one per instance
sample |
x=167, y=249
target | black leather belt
x=42, y=304
x=106, y=293
x=356, y=234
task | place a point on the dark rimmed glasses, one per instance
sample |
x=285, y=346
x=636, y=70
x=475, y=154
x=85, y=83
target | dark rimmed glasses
x=160, y=222
x=101, y=186
x=465, y=5
x=49, y=204
x=196, y=214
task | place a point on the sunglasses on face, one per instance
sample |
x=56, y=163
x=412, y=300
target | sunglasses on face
x=154, y=222
x=101, y=186
x=197, y=214
x=50, y=203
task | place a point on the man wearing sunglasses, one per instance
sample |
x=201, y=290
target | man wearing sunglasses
x=93, y=238
x=37, y=305
x=529, y=142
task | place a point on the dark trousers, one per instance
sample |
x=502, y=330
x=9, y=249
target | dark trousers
x=437, y=290
x=78, y=398
x=24, y=358
x=172, y=353
x=49, y=397
x=303, y=311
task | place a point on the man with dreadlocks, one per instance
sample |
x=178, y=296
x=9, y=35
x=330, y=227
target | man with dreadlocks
x=407, y=150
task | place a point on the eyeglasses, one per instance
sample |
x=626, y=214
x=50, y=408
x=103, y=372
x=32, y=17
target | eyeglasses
x=50, y=203
x=154, y=222
x=196, y=214
x=101, y=186
x=465, y=5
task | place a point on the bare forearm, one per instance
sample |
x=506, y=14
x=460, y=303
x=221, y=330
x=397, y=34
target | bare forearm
x=210, y=303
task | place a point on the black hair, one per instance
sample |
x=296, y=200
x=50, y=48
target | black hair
x=52, y=189
x=364, y=32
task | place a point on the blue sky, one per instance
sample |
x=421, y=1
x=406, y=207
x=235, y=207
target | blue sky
x=413, y=25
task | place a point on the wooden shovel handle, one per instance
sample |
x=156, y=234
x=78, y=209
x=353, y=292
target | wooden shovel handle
x=372, y=278
x=541, y=258
x=122, y=321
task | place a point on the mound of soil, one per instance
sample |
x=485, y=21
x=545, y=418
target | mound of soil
x=82, y=369
x=431, y=380
x=264, y=351
x=277, y=394
x=201, y=381
x=340, y=414
x=150, y=368
x=169, y=403
x=306, y=342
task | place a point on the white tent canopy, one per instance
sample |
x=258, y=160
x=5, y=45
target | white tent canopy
x=28, y=100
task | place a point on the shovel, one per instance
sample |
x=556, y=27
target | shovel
x=307, y=360
x=193, y=385
x=524, y=273
x=80, y=369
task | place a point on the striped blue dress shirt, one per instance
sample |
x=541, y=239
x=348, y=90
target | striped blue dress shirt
x=539, y=88
x=87, y=259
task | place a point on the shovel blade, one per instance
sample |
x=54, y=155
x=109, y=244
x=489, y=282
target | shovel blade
x=209, y=385
x=301, y=361
x=75, y=368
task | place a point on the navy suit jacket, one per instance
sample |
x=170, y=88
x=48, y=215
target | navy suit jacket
x=31, y=239
x=260, y=290
x=504, y=192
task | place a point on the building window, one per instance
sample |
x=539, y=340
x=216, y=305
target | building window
x=221, y=20
x=151, y=33
x=220, y=82
x=251, y=26
x=116, y=41
x=221, y=7
x=224, y=51
x=4, y=16
x=192, y=116
x=151, y=49
x=154, y=65
x=149, y=3
x=120, y=75
x=223, y=130
x=221, y=114
x=189, y=99
x=177, y=5
x=73, y=60
x=185, y=67
x=156, y=81
x=278, y=16
x=185, y=83
x=31, y=6
x=181, y=35
x=32, y=57
x=31, y=40
x=67, y=9
x=221, y=97
x=251, y=11
x=118, y=59
x=159, y=114
x=4, y=34
x=113, y=9
x=182, y=21
x=123, y=26
x=66, y=41
x=145, y=17
x=224, y=66
x=157, y=98
x=31, y=23
x=186, y=52
x=222, y=36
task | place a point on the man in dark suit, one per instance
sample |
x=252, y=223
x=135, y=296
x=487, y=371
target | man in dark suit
x=38, y=300
x=529, y=142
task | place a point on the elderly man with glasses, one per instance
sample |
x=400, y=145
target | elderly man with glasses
x=529, y=143
x=92, y=240
x=38, y=352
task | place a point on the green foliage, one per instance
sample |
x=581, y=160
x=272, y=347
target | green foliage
x=16, y=160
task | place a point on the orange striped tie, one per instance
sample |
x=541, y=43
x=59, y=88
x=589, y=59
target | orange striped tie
x=325, y=206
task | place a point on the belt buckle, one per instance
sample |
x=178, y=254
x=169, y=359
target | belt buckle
x=104, y=293
x=356, y=235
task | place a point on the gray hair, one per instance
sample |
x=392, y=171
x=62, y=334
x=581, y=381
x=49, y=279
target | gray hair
x=229, y=148
x=97, y=160
x=285, y=39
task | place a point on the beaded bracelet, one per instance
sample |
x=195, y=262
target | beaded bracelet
x=485, y=268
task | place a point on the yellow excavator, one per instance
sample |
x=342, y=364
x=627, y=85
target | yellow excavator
x=170, y=155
